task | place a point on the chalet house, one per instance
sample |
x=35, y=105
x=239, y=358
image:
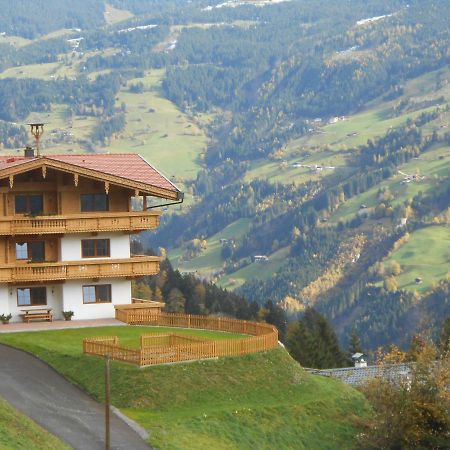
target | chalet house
x=65, y=231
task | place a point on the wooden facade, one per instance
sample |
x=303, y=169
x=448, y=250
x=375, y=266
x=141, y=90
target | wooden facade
x=62, y=214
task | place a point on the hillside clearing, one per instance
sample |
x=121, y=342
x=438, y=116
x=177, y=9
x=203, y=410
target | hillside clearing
x=115, y=15
x=159, y=131
x=256, y=270
x=210, y=258
x=426, y=255
x=432, y=165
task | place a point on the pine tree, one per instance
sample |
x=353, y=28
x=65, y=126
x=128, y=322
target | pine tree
x=175, y=301
x=157, y=296
x=355, y=344
x=313, y=343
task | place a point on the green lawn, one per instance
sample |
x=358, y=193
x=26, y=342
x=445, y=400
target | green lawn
x=18, y=432
x=425, y=255
x=262, y=400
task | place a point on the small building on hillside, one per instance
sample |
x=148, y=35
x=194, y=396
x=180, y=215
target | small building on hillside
x=359, y=360
x=260, y=258
x=65, y=232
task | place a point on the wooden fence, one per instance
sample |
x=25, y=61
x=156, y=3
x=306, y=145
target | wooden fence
x=172, y=348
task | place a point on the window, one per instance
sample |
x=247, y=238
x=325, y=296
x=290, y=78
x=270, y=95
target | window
x=99, y=293
x=95, y=248
x=33, y=296
x=29, y=204
x=94, y=202
x=35, y=251
x=22, y=250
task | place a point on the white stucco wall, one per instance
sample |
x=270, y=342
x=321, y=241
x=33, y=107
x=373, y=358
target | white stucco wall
x=68, y=296
x=70, y=245
x=72, y=297
x=54, y=301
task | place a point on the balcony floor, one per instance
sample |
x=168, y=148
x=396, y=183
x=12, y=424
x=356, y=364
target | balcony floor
x=17, y=327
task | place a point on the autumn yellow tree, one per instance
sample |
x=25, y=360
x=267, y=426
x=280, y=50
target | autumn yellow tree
x=411, y=411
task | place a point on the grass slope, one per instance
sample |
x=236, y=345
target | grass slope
x=159, y=131
x=425, y=255
x=256, y=270
x=18, y=432
x=210, y=258
x=261, y=401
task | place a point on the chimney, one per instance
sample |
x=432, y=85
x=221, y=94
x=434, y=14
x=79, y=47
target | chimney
x=29, y=152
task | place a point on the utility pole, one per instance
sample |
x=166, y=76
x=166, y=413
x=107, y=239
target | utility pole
x=107, y=405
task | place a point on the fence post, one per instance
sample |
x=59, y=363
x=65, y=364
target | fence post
x=107, y=404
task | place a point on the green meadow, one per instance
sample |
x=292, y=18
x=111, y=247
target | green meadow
x=426, y=255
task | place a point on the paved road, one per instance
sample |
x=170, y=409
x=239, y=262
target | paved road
x=41, y=393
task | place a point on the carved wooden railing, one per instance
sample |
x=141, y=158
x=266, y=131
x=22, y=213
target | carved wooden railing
x=99, y=268
x=80, y=223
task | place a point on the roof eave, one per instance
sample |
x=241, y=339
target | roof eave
x=137, y=186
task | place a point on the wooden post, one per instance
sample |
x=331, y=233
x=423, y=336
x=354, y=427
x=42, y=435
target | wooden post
x=107, y=404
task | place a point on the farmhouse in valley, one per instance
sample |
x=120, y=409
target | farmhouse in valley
x=65, y=232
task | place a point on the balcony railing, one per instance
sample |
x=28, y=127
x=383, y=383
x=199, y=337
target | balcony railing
x=105, y=268
x=80, y=223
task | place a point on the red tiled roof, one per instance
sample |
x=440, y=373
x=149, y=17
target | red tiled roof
x=10, y=161
x=129, y=166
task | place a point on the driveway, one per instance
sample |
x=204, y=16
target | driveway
x=38, y=391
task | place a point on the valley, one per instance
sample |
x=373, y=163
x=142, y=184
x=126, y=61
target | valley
x=262, y=173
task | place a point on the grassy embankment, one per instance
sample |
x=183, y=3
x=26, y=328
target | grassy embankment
x=261, y=401
x=18, y=432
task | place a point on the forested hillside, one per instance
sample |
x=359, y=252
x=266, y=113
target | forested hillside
x=312, y=140
x=30, y=19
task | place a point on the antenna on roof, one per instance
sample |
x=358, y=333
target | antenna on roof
x=37, y=130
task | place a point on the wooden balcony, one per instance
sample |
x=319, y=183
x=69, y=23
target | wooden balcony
x=79, y=223
x=73, y=270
